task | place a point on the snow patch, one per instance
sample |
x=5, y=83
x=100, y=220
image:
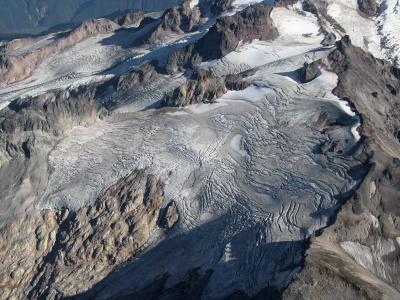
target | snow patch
x=362, y=31
x=236, y=144
x=389, y=28
x=299, y=33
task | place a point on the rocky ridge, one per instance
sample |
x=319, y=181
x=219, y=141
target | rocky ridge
x=254, y=22
x=53, y=113
x=132, y=18
x=203, y=87
x=178, y=19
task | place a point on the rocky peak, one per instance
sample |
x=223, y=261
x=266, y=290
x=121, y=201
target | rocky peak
x=132, y=18
x=169, y=216
x=93, y=27
x=254, y=22
x=309, y=71
x=178, y=19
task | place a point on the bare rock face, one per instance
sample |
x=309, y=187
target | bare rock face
x=121, y=89
x=361, y=75
x=141, y=75
x=62, y=253
x=14, y=68
x=329, y=39
x=132, y=18
x=254, y=22
x=178, y=19
x=93, y=27
x=368, y=7
x=170, y=216
x=357, y=257
x=52, y=113
x=309, y=71
x=203, y=87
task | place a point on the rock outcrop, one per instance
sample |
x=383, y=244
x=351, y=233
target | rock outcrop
x=254, y=22
x=132, y=18
x=309, y=71
x=203, y=87
x=368, y=7
x=61, y=253
x=170, y=215
x=119, y=90
x=52, y=113
x=329, y=39
x=178, y=20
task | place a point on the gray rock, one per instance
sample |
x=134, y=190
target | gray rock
x=51, y=114
x=178, y=19
x=83, y=246
x=309, y=71
x=329, y=39
x=170, y=216
x=368, y=7
x=132, y=18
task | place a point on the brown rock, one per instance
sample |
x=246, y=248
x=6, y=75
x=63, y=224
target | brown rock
x=203, y=87
x=178, y=19
x=61, y=253
x=132, y=18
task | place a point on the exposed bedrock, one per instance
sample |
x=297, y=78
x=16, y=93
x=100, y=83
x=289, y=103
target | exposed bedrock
x=121, y=89
x=203, y=87
x=178, y=19
x=52, y=113
x=309, y=71
x=132, y=18
x=17, y=67
x=357, y=257
x=60, y=252
x=254, y=22
x=373, y=88
x=368, y=7
x=169, y=216
x=329, y=39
